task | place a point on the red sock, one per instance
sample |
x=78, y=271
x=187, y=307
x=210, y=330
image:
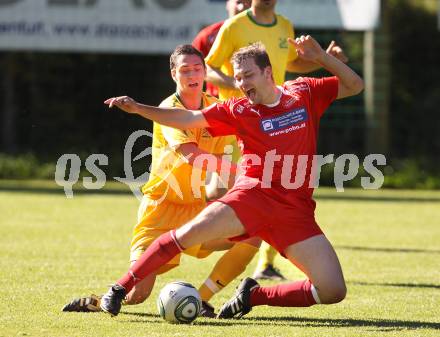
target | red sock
x=162, y=250
x=294, y=294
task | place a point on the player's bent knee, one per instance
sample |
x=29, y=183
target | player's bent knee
x=254, y=241
x=188, y=234
x=134, y=301
x=136, y=297
x=334, y=294
x=217, y=245
x=138, y=294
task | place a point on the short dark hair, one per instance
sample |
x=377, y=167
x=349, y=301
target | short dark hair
x=255, y=51
x=184, y=49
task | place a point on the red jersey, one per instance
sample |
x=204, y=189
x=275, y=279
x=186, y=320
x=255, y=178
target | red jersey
x=203, y=42
x=278, y=133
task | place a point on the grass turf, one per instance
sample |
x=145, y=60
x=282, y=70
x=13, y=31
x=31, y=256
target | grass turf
x=54, y=249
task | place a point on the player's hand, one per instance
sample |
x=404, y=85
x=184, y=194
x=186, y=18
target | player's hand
x=336, y=51
x=125, y=103
x=307, y=47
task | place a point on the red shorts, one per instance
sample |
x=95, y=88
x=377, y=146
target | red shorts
x=278, y=216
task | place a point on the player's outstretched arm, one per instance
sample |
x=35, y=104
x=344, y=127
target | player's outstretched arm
x=174, y=117
x=350, y=83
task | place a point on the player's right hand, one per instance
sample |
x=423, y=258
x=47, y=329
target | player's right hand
x=307, y=47
x=125, y=103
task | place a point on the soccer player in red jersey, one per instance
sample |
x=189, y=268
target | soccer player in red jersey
x=206, y=37
x=260, y=23
x=277, y=126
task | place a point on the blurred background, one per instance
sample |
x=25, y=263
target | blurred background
x=59, y=60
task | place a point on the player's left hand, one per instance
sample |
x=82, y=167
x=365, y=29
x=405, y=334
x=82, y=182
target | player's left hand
x=336, y=51
x=307, y=47
x=125, y=103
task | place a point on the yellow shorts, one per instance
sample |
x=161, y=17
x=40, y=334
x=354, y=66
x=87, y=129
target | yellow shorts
x=154, y=220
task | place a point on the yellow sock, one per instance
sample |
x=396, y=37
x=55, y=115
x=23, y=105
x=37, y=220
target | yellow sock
x=266, y=256
x=227, y=268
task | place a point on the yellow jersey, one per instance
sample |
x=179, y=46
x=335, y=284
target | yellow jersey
x=170, y=176
x=241, y=31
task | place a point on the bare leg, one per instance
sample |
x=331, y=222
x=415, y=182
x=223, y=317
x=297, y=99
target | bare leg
x=317, y=259
x=216, y=221
x=141, y=290
x=217, y=245
x=225, y=244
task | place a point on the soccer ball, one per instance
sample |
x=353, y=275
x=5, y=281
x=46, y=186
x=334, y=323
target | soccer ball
x=179, y=302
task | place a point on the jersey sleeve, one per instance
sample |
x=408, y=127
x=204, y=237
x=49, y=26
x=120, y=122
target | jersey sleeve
x=220, y=119
x=323, y=91
x=222, y=48
x=221, y=142
x=176, y=137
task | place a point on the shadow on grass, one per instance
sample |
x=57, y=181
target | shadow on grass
x=140, y=314
x=343, y=323
x=389, y=250
x=154, y=318
x=404, y=285
x=377, y=324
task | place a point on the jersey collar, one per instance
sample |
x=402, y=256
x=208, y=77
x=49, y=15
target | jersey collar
x=181, y=102
x=250, y=16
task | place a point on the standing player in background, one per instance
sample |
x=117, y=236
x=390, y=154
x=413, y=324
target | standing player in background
x=272, y=123
x=259, y=24
x=169, y=200
x=206, y=37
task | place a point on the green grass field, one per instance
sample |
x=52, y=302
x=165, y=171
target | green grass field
x=53, y=249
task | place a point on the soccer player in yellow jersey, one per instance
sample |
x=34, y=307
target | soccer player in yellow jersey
x=170, y=195
x=260, y=23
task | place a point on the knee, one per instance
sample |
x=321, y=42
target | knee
x=185, y=235
x=136, y=297
x=254, y=241
x=334, y=294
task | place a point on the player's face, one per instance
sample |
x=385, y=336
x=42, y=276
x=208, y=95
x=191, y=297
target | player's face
x=264, y=4
x=252, y=81
x=237, y=6
x=189, y=73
